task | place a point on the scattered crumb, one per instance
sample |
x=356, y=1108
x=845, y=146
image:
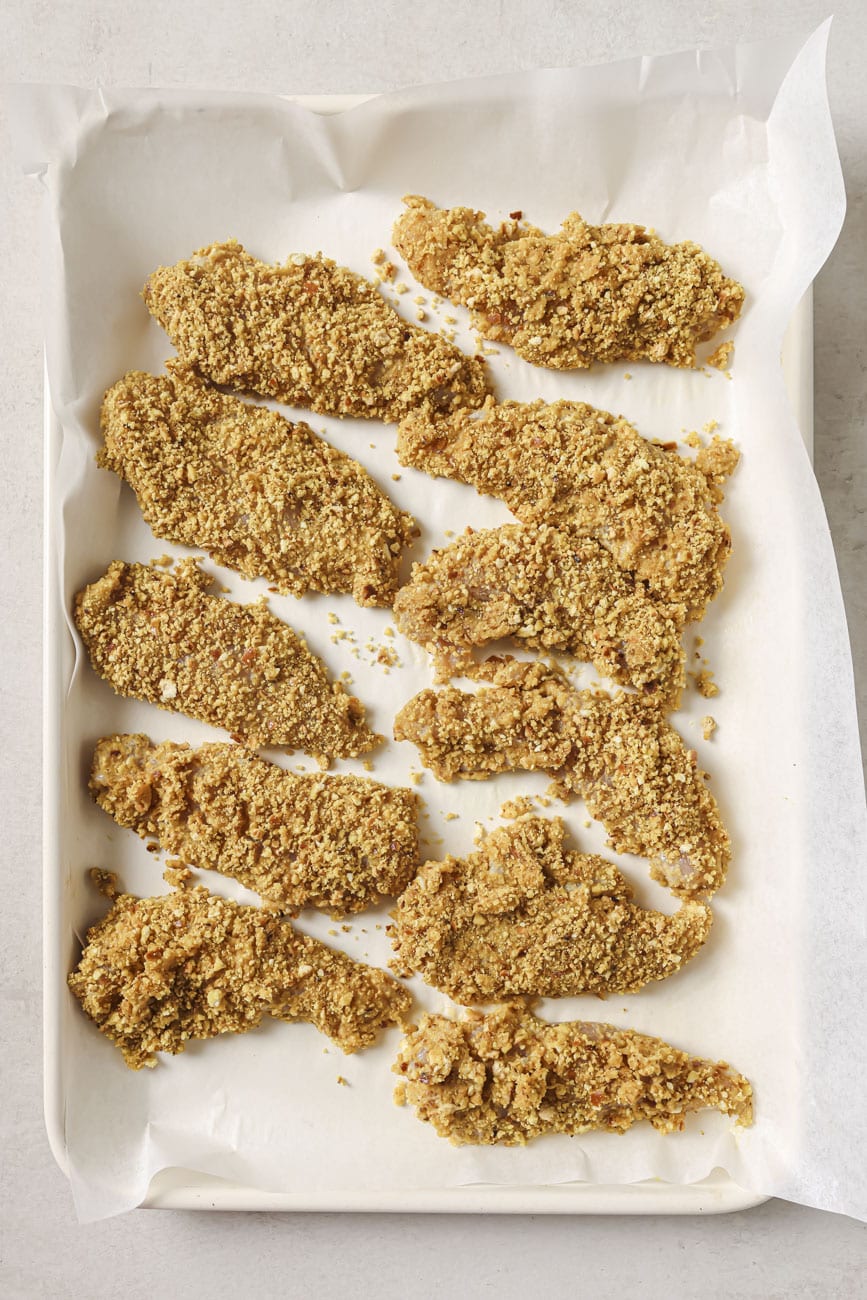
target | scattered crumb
x=711, y=426
x=627, y=375
x=722, y=356
x=693, y=440
x=378, y=257
x=705, y=685
x=514, y=808
x=708, y=727
x=401, y=288
x=178, y=876
x=395, y=478
x=450, y=816
x=344, y=1083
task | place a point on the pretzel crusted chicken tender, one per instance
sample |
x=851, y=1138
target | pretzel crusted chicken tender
x=524, y=915
x=338, y=843
x=588, y=293
x=309, y=333
x=619, y=753
x=570, y=465
x=157, y=636
x=263, y=496
x=507, y=1077
x=156, y=973
x=551, y=590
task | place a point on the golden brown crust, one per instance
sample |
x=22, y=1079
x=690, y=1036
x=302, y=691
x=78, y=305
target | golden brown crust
x=588, y=293
x=619, y=753
x=156, y=973
x=339, y=843
x=507, y=1077
x=550, y=590
x=263, y=496
x=572, y=466
x=309, y=333
x=157, y=636
x=523, y=915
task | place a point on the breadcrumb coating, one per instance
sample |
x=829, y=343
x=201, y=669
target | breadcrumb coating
x=261, y=495
x=576, y=467
x=157, y=636
x=338, y=843
x=308, y=333
x=619, y=753
x=156, y=973
x=507, y=1077
x=587, y=294
x=551, y=590
x=524, y=915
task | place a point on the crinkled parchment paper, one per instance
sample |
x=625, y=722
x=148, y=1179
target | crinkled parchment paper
x=732, y=148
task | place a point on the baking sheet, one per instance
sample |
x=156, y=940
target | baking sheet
x=138, y=178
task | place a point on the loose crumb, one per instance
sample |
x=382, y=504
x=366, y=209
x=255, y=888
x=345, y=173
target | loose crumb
x=708, y=727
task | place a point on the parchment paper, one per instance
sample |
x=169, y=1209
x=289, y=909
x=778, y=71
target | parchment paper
x=732, y=148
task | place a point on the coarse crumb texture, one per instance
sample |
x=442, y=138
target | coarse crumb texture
x=339, y=843
x=263, y=496
x=551, y=590
x=157, y=636
x=586, y=294
x=525, y=915
x=156, y=973
x=507, y=1077
x=619, y=753
x=308, y=333
x=571, y=465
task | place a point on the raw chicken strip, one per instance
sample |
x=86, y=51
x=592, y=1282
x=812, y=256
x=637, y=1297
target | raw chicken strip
x=619, y=753
x=523, y=915
x=550, y=590
x=338, y=842
x=261, y=495
x=507, y=1077
x=588, y=293
x=309, y=333
x=578, y=468
x=157, y=636
x=157, y=973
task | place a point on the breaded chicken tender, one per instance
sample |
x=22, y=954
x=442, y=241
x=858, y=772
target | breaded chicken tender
x=619, y=753
x=308, y=333
x=551, y=590
x=339, y=843
x=581, y=469
x=507, y=1077
x=524, y=915
x=263, y=496
x=158, y=636
x=157, y=973
x=586, y=294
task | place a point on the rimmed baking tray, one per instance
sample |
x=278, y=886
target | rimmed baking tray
x=184, y=1189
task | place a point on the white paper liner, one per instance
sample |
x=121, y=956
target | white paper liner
x=732, y=148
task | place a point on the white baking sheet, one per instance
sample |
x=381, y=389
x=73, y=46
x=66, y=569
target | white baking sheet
x=733, y=149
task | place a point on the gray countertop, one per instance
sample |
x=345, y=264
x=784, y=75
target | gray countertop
x=293, y=46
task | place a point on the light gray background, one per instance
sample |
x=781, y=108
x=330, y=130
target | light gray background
x=310, y=46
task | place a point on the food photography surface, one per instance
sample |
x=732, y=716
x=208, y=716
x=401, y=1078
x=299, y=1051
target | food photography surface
x=423, y=553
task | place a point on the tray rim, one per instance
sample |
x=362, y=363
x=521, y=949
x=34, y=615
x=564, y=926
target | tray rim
x=189, y=1190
